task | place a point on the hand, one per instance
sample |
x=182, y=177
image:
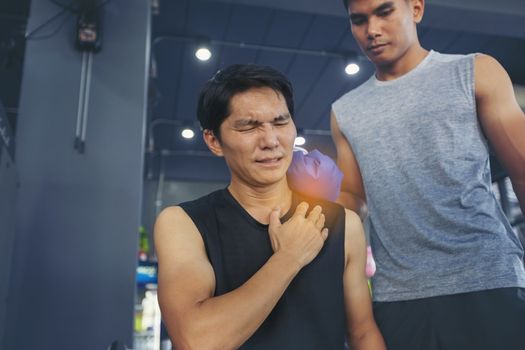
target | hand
x=315, y=175
x=301, y=237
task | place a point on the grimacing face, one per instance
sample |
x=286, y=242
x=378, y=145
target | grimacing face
x=385, y=29
x=257, y=137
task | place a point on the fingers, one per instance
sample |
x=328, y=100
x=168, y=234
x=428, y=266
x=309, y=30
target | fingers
x=324, y=234
x=302, y=236
x=315, y=213
x=275, y=218
x=301, y=209
x=320, y=221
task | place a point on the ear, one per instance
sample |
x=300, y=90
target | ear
x=418, y=9
x=213, y=143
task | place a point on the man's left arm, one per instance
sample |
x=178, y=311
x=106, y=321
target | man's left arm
x=363, y=332
x=502, y=120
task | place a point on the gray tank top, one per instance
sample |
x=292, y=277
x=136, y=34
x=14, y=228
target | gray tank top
x=435, y=225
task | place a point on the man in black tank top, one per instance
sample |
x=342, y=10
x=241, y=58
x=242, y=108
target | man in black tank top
x=257, y=266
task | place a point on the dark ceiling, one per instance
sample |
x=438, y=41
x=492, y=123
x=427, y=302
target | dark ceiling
x=307, y=40
x=304, y=39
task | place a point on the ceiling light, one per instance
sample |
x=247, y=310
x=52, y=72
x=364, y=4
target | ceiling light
x=203, y=53
x=299, y=141
x=351, y=69
x=187, y=133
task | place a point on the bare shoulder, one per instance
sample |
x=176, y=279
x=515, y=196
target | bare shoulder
x=486, y=61
x=175, y=231
x=170, y=212
x=182, y=255
x=352, y=221
x=168, y=218
x=489, y=74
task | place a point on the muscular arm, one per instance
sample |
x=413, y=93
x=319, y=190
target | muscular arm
x=502, y=120
x=352, y=192
x=195, y=319
x=362, y=329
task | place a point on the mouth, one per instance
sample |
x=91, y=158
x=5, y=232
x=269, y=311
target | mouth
x=269, y=160
x=376, y=47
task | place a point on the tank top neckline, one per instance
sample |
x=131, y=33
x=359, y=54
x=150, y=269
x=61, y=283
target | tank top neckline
x=232, y=201
x=414, y=70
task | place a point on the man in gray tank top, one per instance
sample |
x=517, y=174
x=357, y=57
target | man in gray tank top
x=412, y=143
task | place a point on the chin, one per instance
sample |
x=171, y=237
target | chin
x=382, y=62
x=271, y=179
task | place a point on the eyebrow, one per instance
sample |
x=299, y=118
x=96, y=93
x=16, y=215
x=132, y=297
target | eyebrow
x=282, y=117
x=384, y=6
x=250, y=122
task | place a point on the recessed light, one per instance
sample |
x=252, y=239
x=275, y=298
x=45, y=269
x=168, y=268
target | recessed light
x=188, y=133
x=203, y=53
x=351, y=69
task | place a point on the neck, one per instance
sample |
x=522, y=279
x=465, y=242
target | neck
x=260, y=201
x=404, y=64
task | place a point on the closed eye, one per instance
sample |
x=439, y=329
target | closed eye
x=357, y=20
x=282, y=119
x=247, y=127
x=282, y=122
x=249, y=124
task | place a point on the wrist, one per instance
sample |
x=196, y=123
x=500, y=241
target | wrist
x=287, y=261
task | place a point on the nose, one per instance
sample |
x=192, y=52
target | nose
x=373, y=28
x=269, y=137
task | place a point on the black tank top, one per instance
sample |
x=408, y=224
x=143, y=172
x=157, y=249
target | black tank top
x=310, y=313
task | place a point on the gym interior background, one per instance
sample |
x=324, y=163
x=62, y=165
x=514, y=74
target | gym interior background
x=98, y=133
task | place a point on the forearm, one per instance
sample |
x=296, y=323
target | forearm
x=227, y=321
x=354, y=203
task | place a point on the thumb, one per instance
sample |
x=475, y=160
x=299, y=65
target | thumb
x=275, y=222
x=324, y=233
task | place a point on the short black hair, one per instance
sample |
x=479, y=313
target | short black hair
x=214, y=100
x=346, y=2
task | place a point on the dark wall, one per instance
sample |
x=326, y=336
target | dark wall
x=172, y=193
x=8, y=195
x=73, y=275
